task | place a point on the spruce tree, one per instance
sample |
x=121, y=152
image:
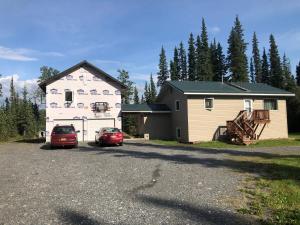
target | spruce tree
x=205, y=66
x=275, y=65
x=136, y=96
x=252, y=73
x=298, y=74
x=147, y=93
x=1, y=88
x=218, y=61
x=174, y=66
x=13, y=109
x=256, y=59
x=142, y=99
x=182, y=62
x=236, y=54
x=152, y=89
x=288, y=79
x=198, y=58
x=163, y=73
x=124, y=78
x=191, y=58
x=265, y=69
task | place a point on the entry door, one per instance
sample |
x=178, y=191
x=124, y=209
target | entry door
x=248, y=105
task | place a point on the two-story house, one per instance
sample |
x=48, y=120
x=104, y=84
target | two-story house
x=84, y=96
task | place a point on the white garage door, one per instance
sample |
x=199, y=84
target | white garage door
x=91, y=126
x=78, y=124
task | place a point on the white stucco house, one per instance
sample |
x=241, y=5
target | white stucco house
x=84, y=96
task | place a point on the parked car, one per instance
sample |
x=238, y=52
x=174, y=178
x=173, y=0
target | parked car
x=109, y=136
x=64, y=136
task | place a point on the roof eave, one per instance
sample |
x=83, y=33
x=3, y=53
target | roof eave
x=239, y=94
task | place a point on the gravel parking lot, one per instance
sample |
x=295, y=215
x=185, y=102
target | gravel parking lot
x=137, y=183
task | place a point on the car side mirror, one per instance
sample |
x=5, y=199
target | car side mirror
x=77, y=131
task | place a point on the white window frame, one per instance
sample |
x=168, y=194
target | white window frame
x=179, y=105
x=271, y=99
x=178, y=128
x=213, y=103
x=251, y=104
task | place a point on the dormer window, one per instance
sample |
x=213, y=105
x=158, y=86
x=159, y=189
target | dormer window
x=80, y=91
x=106, y=92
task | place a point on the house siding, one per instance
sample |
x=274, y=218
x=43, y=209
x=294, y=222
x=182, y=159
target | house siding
x=87, y=80
x=203, y=124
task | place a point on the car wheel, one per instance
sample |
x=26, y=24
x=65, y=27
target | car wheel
x=52, y=147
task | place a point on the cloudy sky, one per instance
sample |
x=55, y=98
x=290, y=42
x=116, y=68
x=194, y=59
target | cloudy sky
x=128, y=34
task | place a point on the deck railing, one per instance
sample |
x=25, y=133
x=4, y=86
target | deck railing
x=261, y=115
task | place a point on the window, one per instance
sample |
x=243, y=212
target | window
x=248, y=105
x=81, y=77
x=93, y=92
x=177, y=105
x=69, y=77
x=118, y=105
x=80, y=105
x=100, y=107
x=80, y=91
x=178, y=132
x=209, y=103
x=106, y=92
x=270, y=104
x=68, y=96
x=53, y=91
x=117, y=92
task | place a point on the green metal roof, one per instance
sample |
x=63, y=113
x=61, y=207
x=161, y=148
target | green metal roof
x=146, y=108
x=227, y=88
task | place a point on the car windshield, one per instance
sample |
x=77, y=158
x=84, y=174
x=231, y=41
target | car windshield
x=64, y=130
x=110, y=130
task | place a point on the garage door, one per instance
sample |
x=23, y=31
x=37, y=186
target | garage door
x=92, y=126
x=78, y=124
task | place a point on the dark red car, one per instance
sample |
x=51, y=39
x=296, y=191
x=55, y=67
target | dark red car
x=64, y=136
x=109, y=136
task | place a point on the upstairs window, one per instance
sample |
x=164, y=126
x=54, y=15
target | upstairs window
x=69, y=77
x=117, y=92
x=177, y=105
x=106, y=92
x=100, y=107
x=209, y=103
x=80, y=91
x=93, y=92
x=68, y=96
x=270, y=104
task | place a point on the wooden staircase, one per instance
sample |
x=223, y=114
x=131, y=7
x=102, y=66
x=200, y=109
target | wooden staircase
x=244, y=128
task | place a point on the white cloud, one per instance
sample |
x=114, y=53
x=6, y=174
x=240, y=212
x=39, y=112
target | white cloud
x=31, y=84
x=15, y=54
x=214, y=30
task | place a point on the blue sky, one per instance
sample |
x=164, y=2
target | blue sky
x=129, y=34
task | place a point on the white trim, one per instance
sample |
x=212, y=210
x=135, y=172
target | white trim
x=146, y=111
x=251, y=104
x=236, y=94
x=213, y=103
x=178, y=105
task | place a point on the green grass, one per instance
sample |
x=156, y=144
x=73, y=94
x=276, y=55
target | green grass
x=274, y=197
x=293, y=140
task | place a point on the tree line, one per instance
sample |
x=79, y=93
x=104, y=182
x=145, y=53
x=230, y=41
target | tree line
x=20, y=115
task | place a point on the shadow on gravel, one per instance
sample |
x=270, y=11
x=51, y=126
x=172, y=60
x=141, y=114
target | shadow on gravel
x=195, y=213
x=68, y=216
x=33, y=141
x=269, y=170
x=238, y=152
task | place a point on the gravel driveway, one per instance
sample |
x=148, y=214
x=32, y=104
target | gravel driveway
x=137, y=183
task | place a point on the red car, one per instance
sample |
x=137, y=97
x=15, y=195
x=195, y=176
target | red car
x=109, y=136
x=64, y=136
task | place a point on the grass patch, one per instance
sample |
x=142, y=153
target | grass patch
x=293, y=140
x=275, y=198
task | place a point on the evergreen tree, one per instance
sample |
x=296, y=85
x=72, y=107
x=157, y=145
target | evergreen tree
x=152, y=90
x=298, y=74
x=256, y=59
x=174, y=66
x=252, y=75
x=198, y=58
x=147, y=93
x=275, y=65
x=182, y=62
x=265, y=70
x=136, y=96
x=1, y=88
x=191, y=59
x=163, y=73
x=218, y=61
x=126, y=93
x=13, y=107
x=142, y=99
x=288, y=79
x=237, y=59
x=204, y=61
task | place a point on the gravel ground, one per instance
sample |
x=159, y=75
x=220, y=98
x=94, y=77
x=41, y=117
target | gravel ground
x=137, y=183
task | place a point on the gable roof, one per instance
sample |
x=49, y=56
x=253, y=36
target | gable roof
x=232, y=88
x=83, y=63
x=145, y=108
